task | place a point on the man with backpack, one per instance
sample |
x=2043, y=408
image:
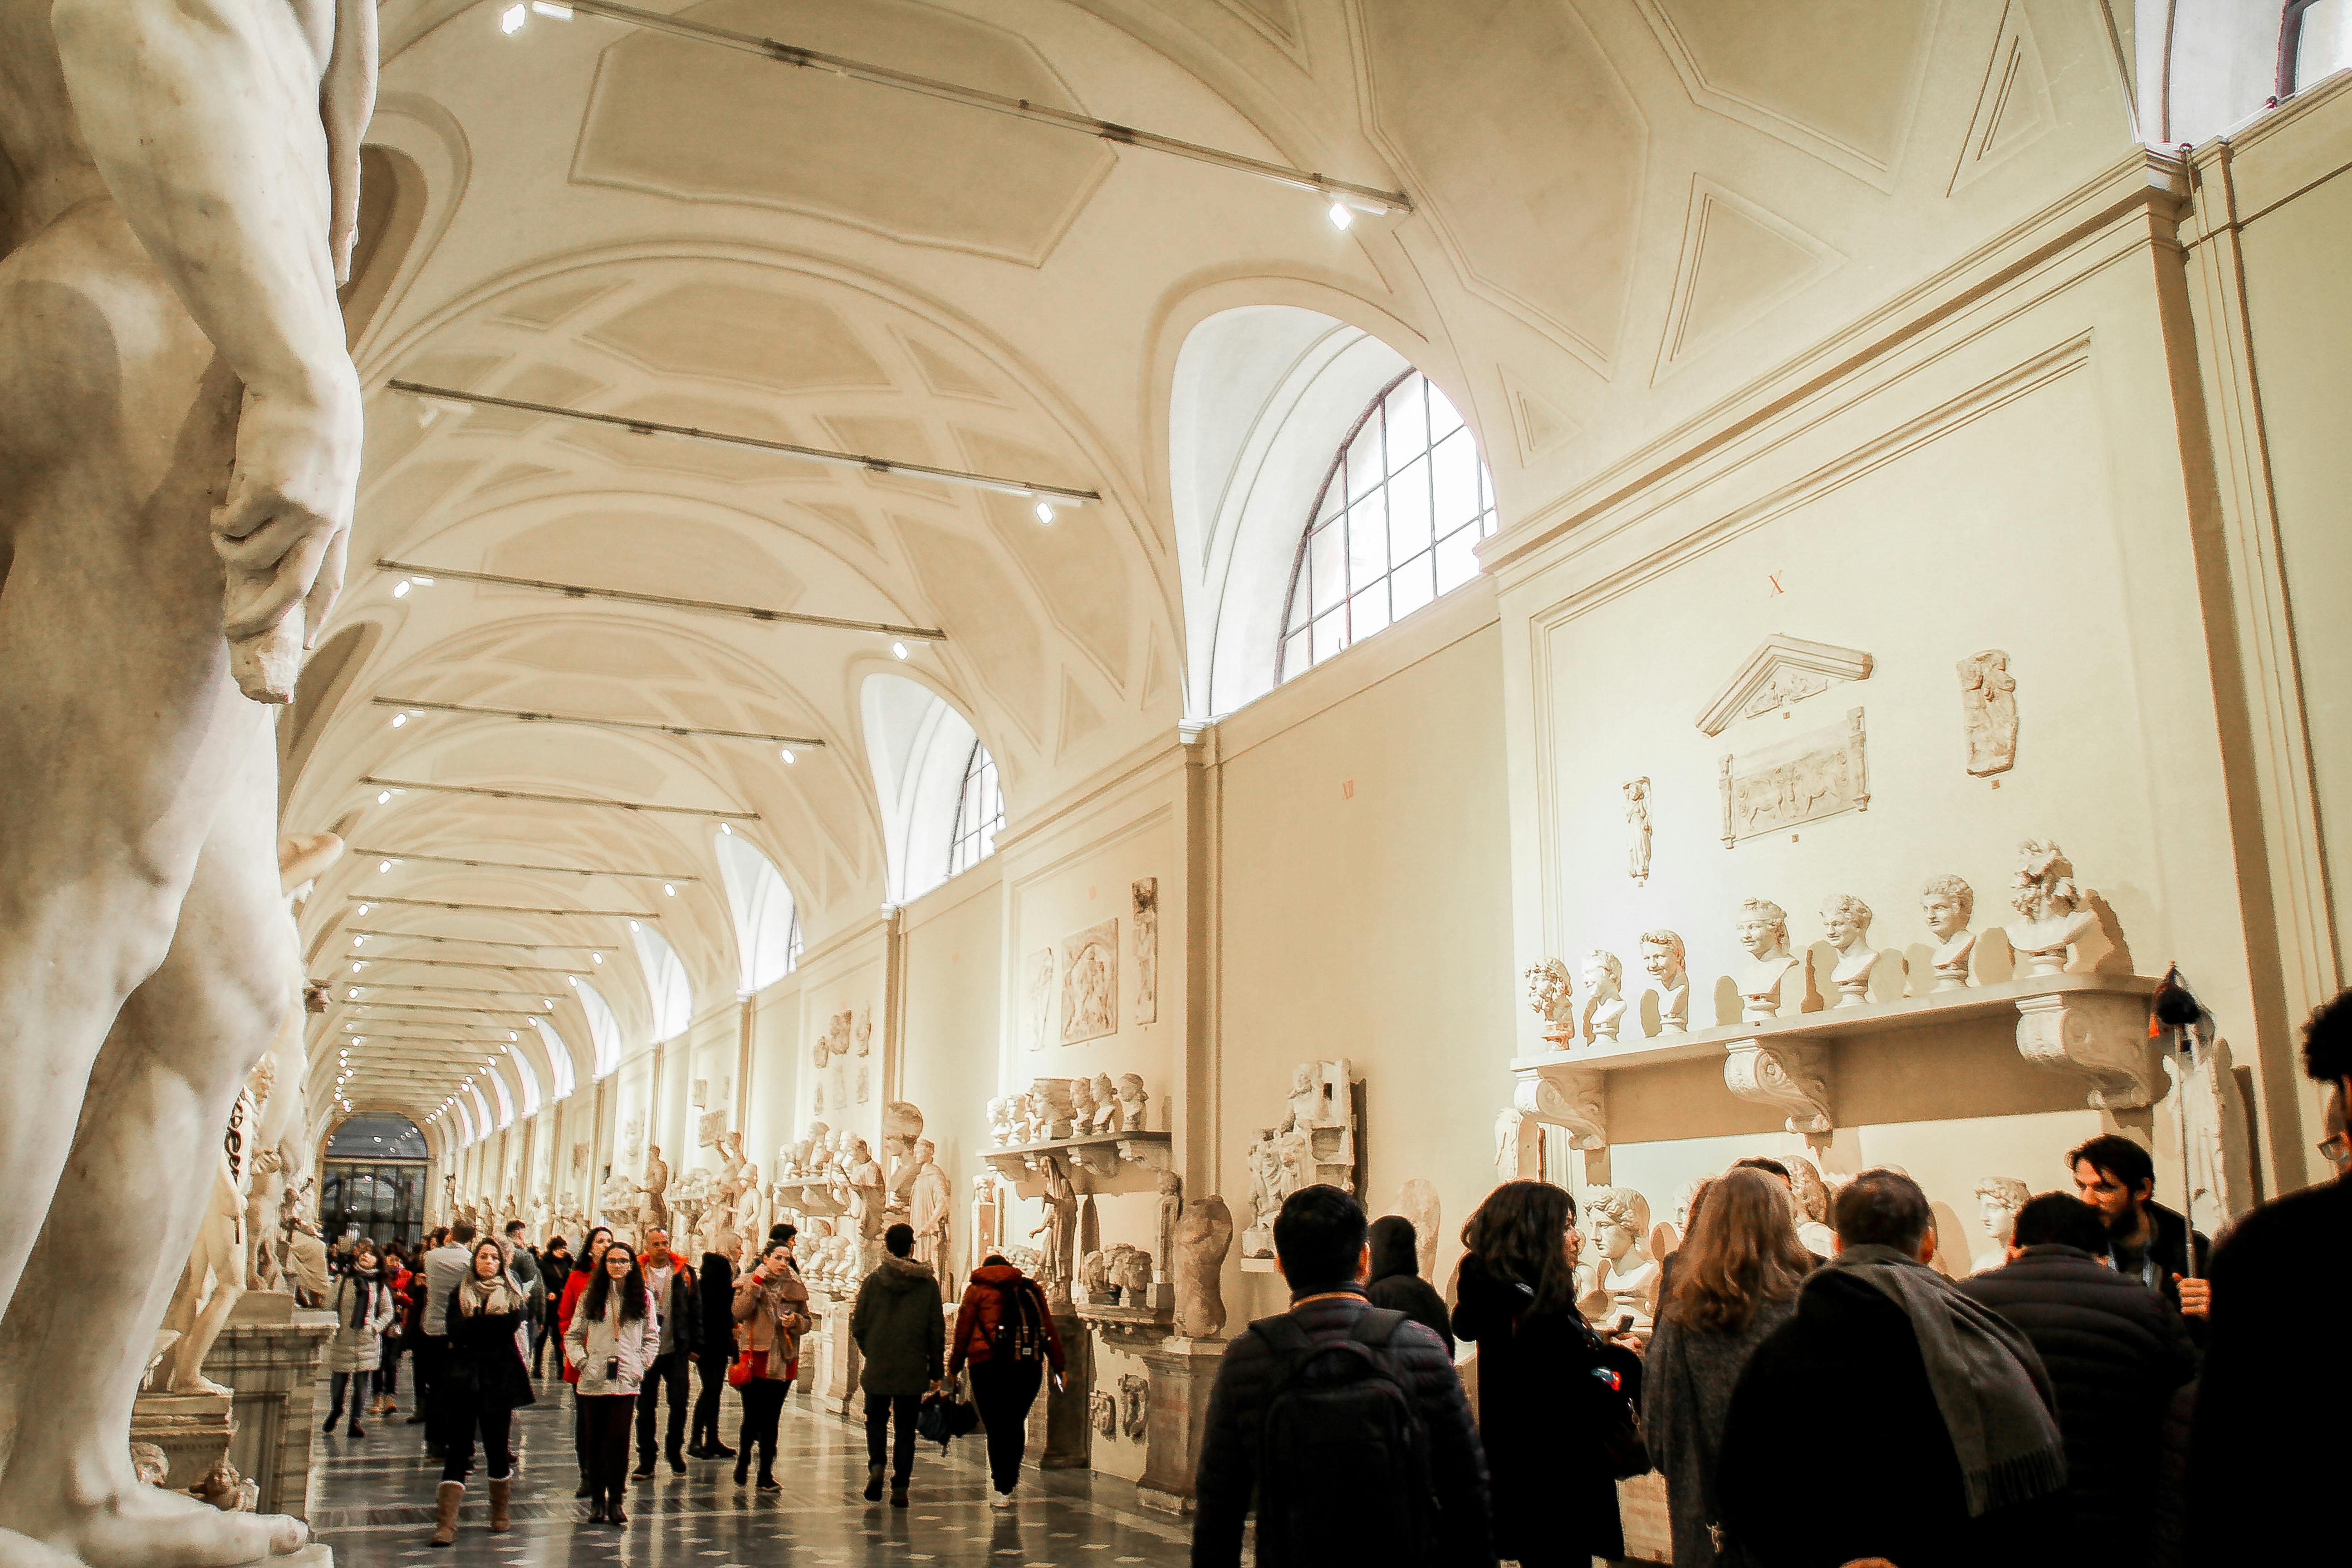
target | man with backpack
x=1344, y=1427
x=1004, y=1333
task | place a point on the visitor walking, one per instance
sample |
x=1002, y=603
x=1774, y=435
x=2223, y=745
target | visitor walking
x=1397, y=1284
x=363, y=1309
x=1954, y=1457
x=1550, y=1392
x=412, y=1326
x=592, y=1259
x=1741, y=1268
x=2146, y=1241
x=522, y=1262
x=610, y=1344
x=446, y=1267
x=394, y=1338
x=678, y=1320
x=555, y=1273
x=1343, y=1424
x=1004, y=1333
x=770, y=1313
x=898, y=1326
x=483, y=1379
x=714, y=1354
x=2115, y=1351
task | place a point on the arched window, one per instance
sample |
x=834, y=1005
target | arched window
x=603, y=1028
x=464, y=1122
x=506, y=1100
x=528, y=1078
x=558, y=1056
x=767, y=924
x=673, y=994
x=1397, y=523
x=2314, y=42
x=979, y=812
x=481, y=1112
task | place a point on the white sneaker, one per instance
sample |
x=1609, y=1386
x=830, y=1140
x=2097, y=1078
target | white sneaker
x=1001, y=1503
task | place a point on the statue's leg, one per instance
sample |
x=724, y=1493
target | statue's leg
x=128, y=1210
x=119, y=728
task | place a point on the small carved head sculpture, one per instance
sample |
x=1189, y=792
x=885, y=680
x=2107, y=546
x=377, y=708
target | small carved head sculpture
x=1620, y=1221
x=1763, y=927
x=2045, y=883
x=1997, y=1200
x=1603, y=974
x=1685, y=1200
x=1808, y=1198
x=1132, y=1274
x=1948, y=904
x=1661, y=955
x=148, y=1463
x=1082, y=1100
x=1551, y=992
x=1132, y=1405
x=1102, y=1410
x=1094, y=1275
x=1106, y=1097
x=1131, y=1101
x=926, y=1151
x=1847, y=919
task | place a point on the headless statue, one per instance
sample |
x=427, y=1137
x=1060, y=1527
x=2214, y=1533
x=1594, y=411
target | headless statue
x=180, y=424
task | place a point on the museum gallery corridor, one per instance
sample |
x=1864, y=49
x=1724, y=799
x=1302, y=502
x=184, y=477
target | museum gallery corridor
x=372, y=1501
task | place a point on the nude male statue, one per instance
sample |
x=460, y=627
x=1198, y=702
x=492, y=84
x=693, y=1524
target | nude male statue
x=180, y=433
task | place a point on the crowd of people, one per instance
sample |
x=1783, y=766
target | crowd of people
x=2114, y=1393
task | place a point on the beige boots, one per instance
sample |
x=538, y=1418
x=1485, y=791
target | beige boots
x=501, y=1492
x=444, y=1512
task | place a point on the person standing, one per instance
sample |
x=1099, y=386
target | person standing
x=555, y=1273
x=1742, y=1267
x=677, y=1322
x=770, y=1313
x=898, y=1324
x=1545, y=1380
x=2115, y=1351
x=412, y=1325
x=714, y=1354
x=610, y=1344
x=522, y=1262
x=483, y=1380
x=1004, y=1333
x=396, y=1278
x=1956, y=1459
x=1397, y=1284
x=2275, y=1357
x=592, y=1258
x=446, y=1267
x=2146, y=1241
x=363, y=1309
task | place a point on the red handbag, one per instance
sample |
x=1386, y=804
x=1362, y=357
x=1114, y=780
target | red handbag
x=747, y=1367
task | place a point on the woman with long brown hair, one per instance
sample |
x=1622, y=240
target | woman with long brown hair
x=1545, y=1380
x=610, y=1343
x=1736, y=1280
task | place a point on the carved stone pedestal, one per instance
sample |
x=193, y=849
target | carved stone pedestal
x=193, y=1430
x=838, y=1362
x=268, y=1354
x=1059, y=1438
x=1181, y=1373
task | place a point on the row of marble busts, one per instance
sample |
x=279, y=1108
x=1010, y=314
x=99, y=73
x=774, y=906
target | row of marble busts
x=2054, y=915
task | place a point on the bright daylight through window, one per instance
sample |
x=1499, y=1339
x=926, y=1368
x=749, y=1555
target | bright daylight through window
x=979, y=812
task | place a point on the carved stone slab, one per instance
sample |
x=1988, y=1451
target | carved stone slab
x=1801, y=780
x=1783, y=671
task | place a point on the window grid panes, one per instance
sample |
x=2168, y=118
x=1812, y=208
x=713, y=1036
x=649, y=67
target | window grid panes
x=979, y=812
x=1397, y=524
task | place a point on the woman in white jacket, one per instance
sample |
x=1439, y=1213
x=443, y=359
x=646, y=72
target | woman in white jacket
x=611, y=1341
x=363, y=1304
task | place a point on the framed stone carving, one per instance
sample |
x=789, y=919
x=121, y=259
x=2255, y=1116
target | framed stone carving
x=1038, y=969
x=1782, y=672
x=1989, y=711
x=1090, y=984
x=1802, y=779
x=1143, y=898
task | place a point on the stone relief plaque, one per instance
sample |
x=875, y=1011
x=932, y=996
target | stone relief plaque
x=1038, y=969
x=1989, y=711
x=1801, y=780
x=1090, y=984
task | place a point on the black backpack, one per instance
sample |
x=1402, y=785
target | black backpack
x=1020, y=1326
x=1343, y=1455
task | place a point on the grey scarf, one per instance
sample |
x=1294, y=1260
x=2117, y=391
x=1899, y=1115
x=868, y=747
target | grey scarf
x=1989, y=1382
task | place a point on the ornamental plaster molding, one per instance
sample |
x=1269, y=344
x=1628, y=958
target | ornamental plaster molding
x=1781, y=672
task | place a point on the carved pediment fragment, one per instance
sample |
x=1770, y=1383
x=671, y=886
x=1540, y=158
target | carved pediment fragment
x=1783, y=671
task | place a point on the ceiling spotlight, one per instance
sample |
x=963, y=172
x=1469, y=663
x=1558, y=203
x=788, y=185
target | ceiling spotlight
x=672, y=891
x=355, y=968
x=512, y=19
x=382, y=865
x=1341, y=216
x=357, y=940
x=598, y=957
x=729, y=832
x=383, y=796
x=510, y=1034
x=633, y=925
x=548, y=1002
x=351, y=995
x=398, y=720
x=562, y=12
x=899, y=648
x=364, y=909
x=400, y=589
x=574, y=980
x=1045, y=511
x=789, y=758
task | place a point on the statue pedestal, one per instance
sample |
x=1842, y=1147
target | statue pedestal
x=193, y=1430
x=1181, y=1372
x=1058, y=1437
x=268, y=1354
x=837, y=1361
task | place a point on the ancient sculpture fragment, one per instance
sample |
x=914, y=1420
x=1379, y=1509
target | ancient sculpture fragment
x=1989, y=711
x=1637, y=830
x=1143, y=903
x=1551, y=996
x=1948, y=903
x=1134, y=1404
x=1203, y=1235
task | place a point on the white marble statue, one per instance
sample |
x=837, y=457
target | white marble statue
x=1948, y=903
x=653, y=1202
x=930, y=1204
x=1846, y=920
x=1623, y=1281
x=1661, y=955
x=1551, y=996
x=1082, y=1107
x=1133, y=1102
x=1106, y=1107
x=1637, y=830
x=1604, y=999
x=863, y=1175
x=1809, y=1206
x=1057, y=1230
x=2057, y=914
x=1763, y=930
x=1997, y=1200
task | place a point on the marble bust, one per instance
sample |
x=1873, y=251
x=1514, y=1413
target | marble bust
x=1847, y=922
x=2056, y=914
x=1661, y=955
x=1551, y=996
x=1624, y=1278
x=1948, y=903
x=1997, y=1200
x=1763, y=930
x=1809, y=1204
x=1604, y=997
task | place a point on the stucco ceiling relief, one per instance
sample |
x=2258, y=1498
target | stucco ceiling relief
x=1738, y=260
x=2014, y=108
x=1538, y=423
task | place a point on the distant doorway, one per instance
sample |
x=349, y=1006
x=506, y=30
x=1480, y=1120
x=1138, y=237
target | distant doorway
x=372, y=1181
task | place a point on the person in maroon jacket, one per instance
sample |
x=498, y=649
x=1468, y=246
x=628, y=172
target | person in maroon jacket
x=1004, y=1333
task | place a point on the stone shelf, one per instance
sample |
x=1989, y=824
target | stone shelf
x=1127, y=1325
x=2093, y=1026
x=1098, y=1152
x=813, y=1196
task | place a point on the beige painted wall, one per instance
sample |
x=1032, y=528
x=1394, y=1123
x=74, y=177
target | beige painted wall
x=954, y=939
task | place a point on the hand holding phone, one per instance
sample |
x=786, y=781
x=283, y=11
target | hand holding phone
x=1625, y=1323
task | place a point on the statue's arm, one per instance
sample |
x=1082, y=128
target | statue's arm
x=218, y=126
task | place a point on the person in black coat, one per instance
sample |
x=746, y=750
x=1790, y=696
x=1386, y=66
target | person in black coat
x=2115, y=1351
x=1397, y=1284
x=555, y=1272
x=482, y=1381
x=1543, y=1412
x=713, y=1354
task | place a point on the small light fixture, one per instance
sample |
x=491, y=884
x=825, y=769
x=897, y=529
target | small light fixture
x=669, y=889
x=364, y=909
x=1045, y=511
x=597, y=956
x=357, y=940
x=398, y=720
x=1341, y=216
x=355, y=968
x=899, y=648
x=512, y=19
x=633, y=925
x=789, y=760
x=382, y=866
x=550, y=9
x=400, y=589
x=384, y=797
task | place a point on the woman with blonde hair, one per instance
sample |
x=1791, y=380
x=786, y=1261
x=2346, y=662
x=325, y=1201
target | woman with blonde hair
x=1734, y=1281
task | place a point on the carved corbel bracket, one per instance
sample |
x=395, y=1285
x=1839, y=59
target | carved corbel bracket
x=1784, y=1074
x=1570, y=1098
x=2099, y=1038
x=1150, y=1154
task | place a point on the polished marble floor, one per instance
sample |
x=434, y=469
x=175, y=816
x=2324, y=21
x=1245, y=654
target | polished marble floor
x=371, y=1500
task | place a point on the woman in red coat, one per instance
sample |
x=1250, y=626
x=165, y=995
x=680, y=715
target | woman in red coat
x=1004, y=1332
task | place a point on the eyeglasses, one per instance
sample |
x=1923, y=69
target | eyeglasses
x=2336, y=1148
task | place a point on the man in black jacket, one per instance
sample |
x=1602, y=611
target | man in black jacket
x=717, y=1288
x=2146, y=1241
x=1320, y=1246
x=669, y=1280
x=2115, y=1351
